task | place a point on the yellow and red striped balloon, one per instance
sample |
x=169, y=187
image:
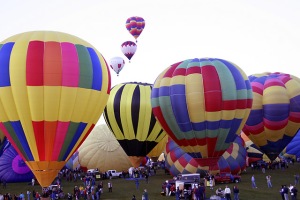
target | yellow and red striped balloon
x=53, y=89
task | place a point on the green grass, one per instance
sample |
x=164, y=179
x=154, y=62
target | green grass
x=123, y=189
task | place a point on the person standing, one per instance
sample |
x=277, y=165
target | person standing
x=145, y=195
x=294, y=192
x=137, y=183
x=269, y=183
x=236, y=192
x=253, y=182
x=133, y=197
x=28, y=194
x=109, y=184
x=177, y=193
x=227, y=192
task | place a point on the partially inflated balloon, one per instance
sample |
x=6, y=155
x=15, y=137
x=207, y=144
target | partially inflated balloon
x=117, y=64
x=53, y=89
x=129, y=115
x=135, y=25
x=158, y=149
x=275, y=116
x=102, y=150
x=202, y=104
x=13, y=168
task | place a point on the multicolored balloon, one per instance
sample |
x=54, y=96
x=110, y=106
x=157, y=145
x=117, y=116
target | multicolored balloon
x=275, y=116
x=135, y=25
x=128, y=48
x=233, y=160
x=53, y=89
x=253, y=152
x=128, y=114
x=116, y=64
x=202, y=104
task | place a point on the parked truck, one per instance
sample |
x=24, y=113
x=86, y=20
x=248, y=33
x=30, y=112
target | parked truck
x=114, y=173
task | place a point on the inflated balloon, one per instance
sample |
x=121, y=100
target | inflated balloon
x=253, y=152
x=135, y=25
x=102, y=150
x=128, y=48
x=129, y=115
x=202, y=104
x=233, y=160
x=158, y=149
x=293, y=148
x=53, y=89
x=275, y=114
x=117, y=64
x=13, y=168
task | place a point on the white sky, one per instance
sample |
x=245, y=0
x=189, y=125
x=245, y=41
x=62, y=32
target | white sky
x=257, y=35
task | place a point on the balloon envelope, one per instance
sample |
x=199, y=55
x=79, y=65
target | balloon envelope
x=202, y=104
x=129, y=115
x=102, y=150
x=135, y=25
x=128, y=48
x=13, y=168
x=53, y=89
x=233, y=160
x=117, y=64
x=275, y=114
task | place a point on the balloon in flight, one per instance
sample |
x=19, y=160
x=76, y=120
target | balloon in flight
x=135, y=25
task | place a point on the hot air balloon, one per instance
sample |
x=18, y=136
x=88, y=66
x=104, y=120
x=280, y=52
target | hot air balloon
x=128, y=48
x=253, y=152
x=275, y=114
x=117, y=64
x=135, y=25
x=293, y=148
x=102, y=151
x=202, y=104
x=53, y=89
x=129, y=115
x=13, y=168
x=179, y=162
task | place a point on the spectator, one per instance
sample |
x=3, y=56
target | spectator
x=109, y=184
x=227, y=192
x=145, y=195
x=236, y=193
x=253, y=182
x=294, y=192
x=269, y=183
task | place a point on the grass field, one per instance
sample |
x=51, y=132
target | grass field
x=124, y=189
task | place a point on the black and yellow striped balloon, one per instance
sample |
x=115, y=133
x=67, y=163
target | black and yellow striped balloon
x=128, y=114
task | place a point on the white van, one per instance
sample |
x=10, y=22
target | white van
x=191, y=177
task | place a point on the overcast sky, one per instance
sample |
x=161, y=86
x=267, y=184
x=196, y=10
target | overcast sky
x=257, y=35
